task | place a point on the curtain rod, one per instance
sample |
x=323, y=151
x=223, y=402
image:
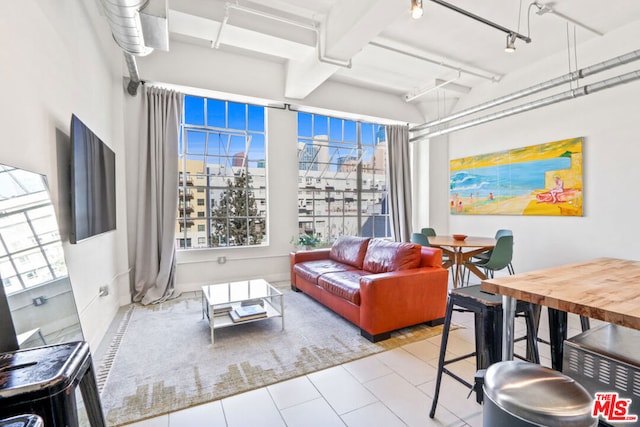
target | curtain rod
x=189, y=90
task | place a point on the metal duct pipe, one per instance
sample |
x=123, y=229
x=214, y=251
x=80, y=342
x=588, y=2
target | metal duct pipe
x=123, y=17
x=495, y=78
x=134, y=76
x=585, y=90
x=593, y=69
x=313, y=27
x=124, y=20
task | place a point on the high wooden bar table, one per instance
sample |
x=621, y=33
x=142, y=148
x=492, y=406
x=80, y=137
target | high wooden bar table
x=607, y=289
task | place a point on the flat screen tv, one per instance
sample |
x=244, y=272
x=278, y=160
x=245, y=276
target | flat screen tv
x=93, y=184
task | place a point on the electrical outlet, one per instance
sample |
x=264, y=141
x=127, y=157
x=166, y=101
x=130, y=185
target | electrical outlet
x=222, y=259
x=38, y=301
x=103, y=291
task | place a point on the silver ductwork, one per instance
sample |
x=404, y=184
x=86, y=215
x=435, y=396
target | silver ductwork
x=134, y=76
x=585, y=72
x=570, y=94
x=124, y=20
x=137, y=32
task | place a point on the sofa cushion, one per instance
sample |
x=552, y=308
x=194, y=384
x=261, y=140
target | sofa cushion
x=384, y=256
x=311, y=270
x=344, y=284
x=349, y=250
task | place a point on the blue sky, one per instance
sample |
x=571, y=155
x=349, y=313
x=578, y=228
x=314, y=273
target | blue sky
x=251, y=119
x=240, y=117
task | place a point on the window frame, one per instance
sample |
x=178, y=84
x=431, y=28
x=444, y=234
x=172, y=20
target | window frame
x=221, y=182
x=358, y=161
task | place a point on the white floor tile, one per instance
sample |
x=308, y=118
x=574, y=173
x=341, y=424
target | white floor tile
x=460, y=346
x=293, y=392
x=254, y=408
x=162, y=421
x=408, y=403
x=367, y=368
x=343, y=392
x=315, y=413
x=424, y=350
x=413, y=369
x=207, y=415
x=453, y=397
x=376, y=414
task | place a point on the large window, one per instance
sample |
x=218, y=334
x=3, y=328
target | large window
x=342, y=187
x=222, y=175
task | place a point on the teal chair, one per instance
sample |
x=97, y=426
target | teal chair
x=420, y=239
x=484, y=256
x=423, y=240
x=428, y=231
x=431, y=232
x=499, y=259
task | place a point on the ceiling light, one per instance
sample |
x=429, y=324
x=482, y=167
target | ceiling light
x=416, y=9
x=511, y=43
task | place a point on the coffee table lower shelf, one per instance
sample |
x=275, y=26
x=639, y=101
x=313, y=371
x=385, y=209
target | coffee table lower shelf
x=257, y=291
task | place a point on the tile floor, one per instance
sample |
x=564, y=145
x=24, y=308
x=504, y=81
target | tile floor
x=393, y=388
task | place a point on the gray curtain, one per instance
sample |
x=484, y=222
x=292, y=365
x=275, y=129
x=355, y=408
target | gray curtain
x=155, y=254
x=399, y=170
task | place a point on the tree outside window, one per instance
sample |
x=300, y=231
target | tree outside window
x=223, y=155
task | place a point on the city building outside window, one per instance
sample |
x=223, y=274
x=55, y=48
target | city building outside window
x=342, y=188
x=223, y=155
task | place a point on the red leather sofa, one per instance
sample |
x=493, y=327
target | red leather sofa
x=376, y=284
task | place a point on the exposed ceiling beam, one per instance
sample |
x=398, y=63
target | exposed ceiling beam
x=350, y=26
x=354, y=23
x=208, y=29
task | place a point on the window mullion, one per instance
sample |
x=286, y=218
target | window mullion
x=359, y=179
x=226, y=208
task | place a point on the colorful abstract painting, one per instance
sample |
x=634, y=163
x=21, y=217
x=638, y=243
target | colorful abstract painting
x=543, y=179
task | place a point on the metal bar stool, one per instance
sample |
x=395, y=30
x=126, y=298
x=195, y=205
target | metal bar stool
x=42, y=381
x=487, y=309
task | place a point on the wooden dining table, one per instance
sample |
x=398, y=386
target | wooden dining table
x=461, y=251
x=604, y=288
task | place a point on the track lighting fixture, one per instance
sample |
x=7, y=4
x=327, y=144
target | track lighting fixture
x=416, y=9
x=511, y=43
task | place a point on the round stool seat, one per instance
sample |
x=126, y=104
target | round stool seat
x=524, y=394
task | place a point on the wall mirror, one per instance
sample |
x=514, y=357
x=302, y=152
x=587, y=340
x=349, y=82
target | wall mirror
x=32, y=267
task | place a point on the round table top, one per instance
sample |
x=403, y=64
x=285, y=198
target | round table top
x=469, y=242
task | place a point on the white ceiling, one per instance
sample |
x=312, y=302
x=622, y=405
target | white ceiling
x=376, y=44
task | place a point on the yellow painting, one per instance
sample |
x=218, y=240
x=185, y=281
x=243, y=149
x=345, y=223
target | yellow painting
x=544, y=179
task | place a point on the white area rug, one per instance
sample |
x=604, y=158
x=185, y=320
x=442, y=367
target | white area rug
x=162, y=358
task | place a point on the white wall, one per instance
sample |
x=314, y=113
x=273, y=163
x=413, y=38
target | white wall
x=209, y=69
x=608, y=121
x=55, y=64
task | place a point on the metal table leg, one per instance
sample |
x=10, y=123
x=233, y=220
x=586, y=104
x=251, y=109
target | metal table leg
x=508, y=319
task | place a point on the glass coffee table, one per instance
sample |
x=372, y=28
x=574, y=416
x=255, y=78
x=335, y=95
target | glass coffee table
x=222, y=302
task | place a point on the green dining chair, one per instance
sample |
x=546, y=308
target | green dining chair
x=423, y=240
x=499, y=259
x=420, y=239
x=428, y=231
x=484, y=256
x=431, y=232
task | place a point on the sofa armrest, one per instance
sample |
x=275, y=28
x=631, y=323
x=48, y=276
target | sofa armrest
x=396, y=299
x=311, y=255
x=430, y=257
x=302, y=256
